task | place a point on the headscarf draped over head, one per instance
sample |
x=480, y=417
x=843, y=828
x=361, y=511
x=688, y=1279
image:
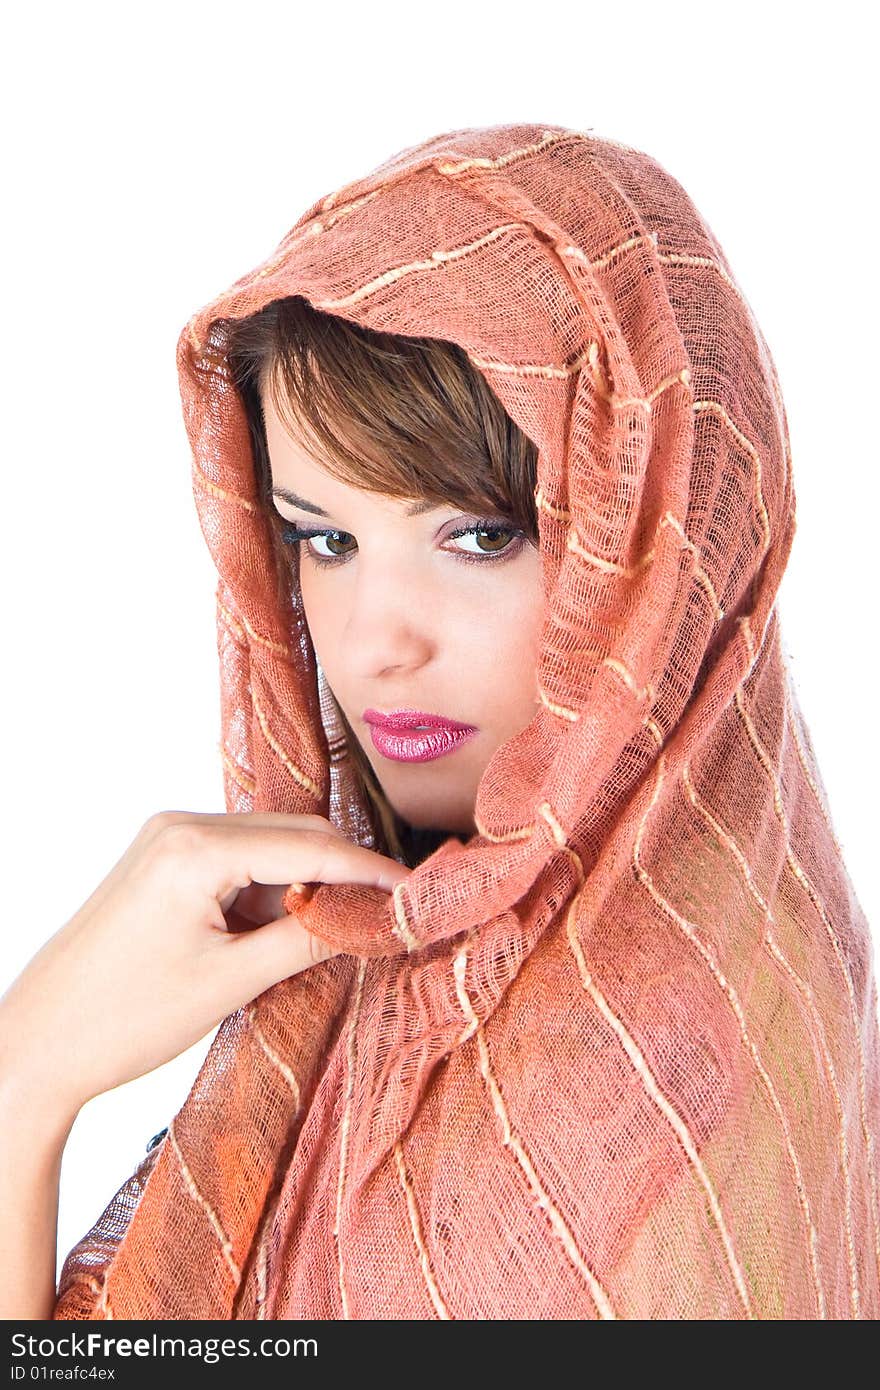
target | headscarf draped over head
x=616, y=1055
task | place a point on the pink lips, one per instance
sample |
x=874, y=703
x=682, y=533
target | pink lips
x=397, y=735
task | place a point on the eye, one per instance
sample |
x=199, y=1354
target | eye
x=490, y=537
x=291, y=534
x=333, y=539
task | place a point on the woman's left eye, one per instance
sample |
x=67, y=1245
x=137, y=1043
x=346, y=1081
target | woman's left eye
x=493, y=539
x=500, y=539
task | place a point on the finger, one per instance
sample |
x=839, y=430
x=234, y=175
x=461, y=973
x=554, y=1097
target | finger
x=275, y=855
x=274, y=952
x=255, y=819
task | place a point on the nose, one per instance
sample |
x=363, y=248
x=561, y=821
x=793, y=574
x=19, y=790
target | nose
x=391, y=623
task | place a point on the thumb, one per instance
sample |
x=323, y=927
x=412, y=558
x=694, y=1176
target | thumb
x=276, y=951
x=287, y=946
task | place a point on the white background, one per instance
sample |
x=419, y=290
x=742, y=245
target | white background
x=155, y=153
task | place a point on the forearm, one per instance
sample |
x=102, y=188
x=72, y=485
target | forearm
x=32, y=1142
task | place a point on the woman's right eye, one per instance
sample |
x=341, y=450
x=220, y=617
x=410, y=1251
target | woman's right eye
x=292, y=534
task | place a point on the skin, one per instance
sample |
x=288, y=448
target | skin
x=410, y=617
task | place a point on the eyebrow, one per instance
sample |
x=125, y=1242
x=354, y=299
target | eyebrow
x=291, y=498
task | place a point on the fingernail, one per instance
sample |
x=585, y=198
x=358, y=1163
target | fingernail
x=389, y=884
x=297, y=895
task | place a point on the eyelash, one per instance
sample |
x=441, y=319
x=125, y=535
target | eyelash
x=291, y=534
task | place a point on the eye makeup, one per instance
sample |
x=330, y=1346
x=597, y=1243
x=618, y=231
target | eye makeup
x=293, y=534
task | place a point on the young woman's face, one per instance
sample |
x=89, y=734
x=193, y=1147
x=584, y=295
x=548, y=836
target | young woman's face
x=404, y=614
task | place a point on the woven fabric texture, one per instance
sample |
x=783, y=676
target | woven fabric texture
x=616, y=1055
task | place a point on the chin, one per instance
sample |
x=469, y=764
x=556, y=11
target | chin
x=457, y=818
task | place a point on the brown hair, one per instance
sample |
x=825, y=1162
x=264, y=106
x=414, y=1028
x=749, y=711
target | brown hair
x=404, y=417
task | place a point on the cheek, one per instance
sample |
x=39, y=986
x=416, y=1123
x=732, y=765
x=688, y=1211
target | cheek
x=525, y=631
x=517, y=659
x=319, y=615
x=500, y=641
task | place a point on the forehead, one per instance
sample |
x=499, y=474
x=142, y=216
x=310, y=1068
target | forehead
x=287, y=453
x=295, y=470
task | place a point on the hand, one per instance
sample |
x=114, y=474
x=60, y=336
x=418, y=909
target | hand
x=184, y=930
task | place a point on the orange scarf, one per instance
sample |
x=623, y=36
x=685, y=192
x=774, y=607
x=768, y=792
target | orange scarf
x=616, y=1056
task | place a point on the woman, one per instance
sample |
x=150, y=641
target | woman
x=574, y=1013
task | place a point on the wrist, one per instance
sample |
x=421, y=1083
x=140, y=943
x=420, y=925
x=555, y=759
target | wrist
x=32, y=1107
